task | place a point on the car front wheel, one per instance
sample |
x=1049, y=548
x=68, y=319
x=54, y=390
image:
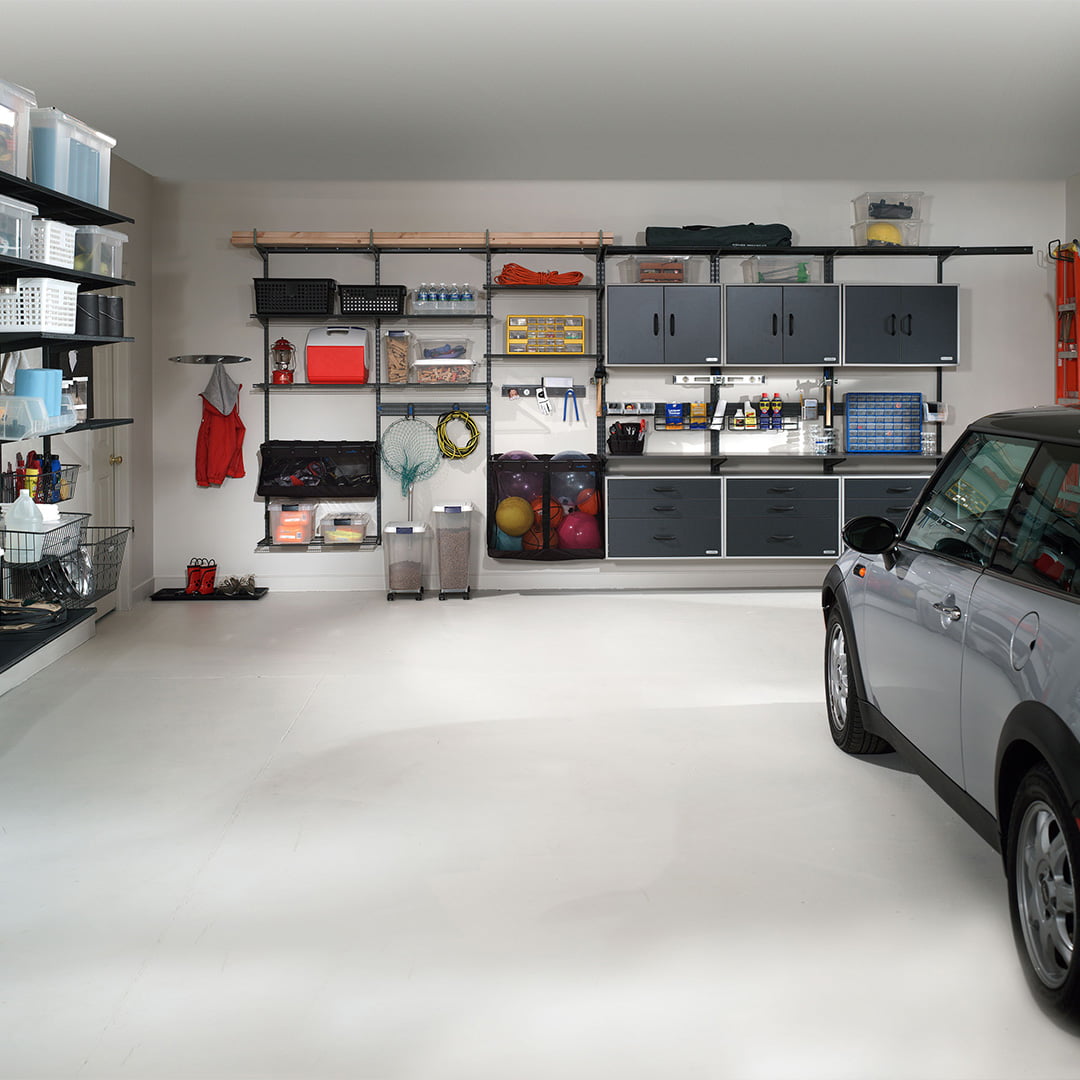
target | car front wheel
x=845, y=720
x=1042, y=855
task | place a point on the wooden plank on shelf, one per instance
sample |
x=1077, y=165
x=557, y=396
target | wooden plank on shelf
x=247, y=238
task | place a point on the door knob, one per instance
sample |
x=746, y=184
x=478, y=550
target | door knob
x=116, y=459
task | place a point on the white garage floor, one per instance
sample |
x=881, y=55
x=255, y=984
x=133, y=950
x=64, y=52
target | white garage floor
x=523, y=837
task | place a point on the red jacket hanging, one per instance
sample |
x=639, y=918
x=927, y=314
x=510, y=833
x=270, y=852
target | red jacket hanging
x=219, y=447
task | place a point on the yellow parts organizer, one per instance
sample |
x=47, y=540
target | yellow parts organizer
x=551, y=335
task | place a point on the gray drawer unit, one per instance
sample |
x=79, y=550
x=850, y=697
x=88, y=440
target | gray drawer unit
x=666, y=489
x=642, y=538
x=664, y=518
x=790, y=517
x=783, y=488
x=761, y=536
x=881, y=496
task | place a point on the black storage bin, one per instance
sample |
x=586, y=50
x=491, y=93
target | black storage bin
x=372, y=299
x=293, y=469
x=294, y=296
x=566, y=497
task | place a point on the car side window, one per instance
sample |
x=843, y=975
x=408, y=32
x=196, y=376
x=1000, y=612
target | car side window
x=962, y=510
x=1041, y=539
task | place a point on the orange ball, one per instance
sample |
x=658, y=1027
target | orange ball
x=555, y=512
x=589, y=501
x=533, y=540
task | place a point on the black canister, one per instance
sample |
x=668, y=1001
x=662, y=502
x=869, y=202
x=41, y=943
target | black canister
x=86, y=314
x=111, y=316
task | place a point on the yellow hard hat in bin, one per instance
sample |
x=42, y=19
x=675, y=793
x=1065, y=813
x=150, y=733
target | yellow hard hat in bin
x=882, y=232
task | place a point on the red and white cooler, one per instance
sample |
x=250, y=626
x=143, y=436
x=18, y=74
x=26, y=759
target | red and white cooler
x=337, y=354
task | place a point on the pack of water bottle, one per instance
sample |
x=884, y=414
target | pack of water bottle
x=439, y=298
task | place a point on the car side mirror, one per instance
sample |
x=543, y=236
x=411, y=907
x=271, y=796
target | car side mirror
x=870, y=535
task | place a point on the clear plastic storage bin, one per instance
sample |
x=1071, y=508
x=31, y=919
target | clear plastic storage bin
x=441, y=371
x=15, y=105
x=783, y=269
x=888, y=206
x=99, y=251
x=453, y=529
x=292, y=523
x=70, y=157
x=16, y=227
x=344, y=528
x=661, y=269
x=403, y=544
x=886, y=233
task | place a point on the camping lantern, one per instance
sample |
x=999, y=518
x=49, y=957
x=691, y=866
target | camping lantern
x=283, y=361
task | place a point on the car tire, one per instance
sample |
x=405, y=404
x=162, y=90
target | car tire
x=1042, y=857
x=842, y=703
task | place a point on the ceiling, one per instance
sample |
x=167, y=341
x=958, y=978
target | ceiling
x=551, y=89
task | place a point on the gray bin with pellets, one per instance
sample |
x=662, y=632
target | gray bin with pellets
x=453, y=532
x=403, y=543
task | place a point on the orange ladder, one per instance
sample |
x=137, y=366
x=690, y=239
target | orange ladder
x=1068, y=361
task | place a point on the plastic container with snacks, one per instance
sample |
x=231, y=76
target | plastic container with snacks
x=396, y=344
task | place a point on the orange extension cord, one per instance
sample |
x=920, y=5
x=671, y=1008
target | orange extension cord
x=512, y=274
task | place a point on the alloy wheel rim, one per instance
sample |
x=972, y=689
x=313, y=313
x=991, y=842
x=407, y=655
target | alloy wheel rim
x=1045, y=893
x=838, y=679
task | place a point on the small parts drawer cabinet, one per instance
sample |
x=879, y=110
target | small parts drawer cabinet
x=783, y=516
x=664, y=518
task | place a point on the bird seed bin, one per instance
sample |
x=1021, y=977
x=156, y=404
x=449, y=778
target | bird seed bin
x=403, y=542
x=453, y=527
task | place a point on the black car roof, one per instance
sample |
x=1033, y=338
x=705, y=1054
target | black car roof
x=1053, y=423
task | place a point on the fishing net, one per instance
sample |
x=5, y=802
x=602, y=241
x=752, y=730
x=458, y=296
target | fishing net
x=410, y=451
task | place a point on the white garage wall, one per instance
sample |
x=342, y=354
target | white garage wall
x=202, y=296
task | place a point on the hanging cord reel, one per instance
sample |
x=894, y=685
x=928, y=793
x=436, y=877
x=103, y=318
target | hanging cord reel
x=447, y=446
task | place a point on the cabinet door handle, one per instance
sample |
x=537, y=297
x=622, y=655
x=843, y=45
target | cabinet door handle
x=656, y=324
x=671, y=329
x=775, y=324
x=664, y=509
x=791, y=326
x=906, y=319
x=892, y=326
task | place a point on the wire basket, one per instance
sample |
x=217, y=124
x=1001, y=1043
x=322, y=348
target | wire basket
x=39, y=305
x=87, y=571
x=294, y=296
x=48, y=487
x=52, y=242
x=34, y=548
x=373, y=299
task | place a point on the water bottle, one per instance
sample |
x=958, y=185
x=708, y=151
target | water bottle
x=455, y=298
x=421, y=303
x=468, y=299
x=443, y=301
x=24, y=524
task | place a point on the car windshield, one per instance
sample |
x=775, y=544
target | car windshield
x=962, y=513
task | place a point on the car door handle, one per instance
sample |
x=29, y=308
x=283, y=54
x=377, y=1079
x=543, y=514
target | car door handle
x=950, y=612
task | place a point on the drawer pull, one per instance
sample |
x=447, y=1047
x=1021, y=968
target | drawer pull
x=781, y=509
x=663, y=537
x=663, y=491
x=664, y=509
x=898, y=509
x=898, y=490
x=775, y=538
x=780, y=491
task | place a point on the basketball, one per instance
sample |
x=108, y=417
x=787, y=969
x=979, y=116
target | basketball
x=555, y=512
x=533, y=540
x=589, y=501
x=514, y=516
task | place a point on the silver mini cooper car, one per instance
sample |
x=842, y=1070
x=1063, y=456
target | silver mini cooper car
x=955, y=640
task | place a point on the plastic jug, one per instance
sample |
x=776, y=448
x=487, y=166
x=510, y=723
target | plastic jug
x=24, y=527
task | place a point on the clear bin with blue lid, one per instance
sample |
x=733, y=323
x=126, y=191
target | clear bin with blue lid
x=403, y=544
x=453, y=534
